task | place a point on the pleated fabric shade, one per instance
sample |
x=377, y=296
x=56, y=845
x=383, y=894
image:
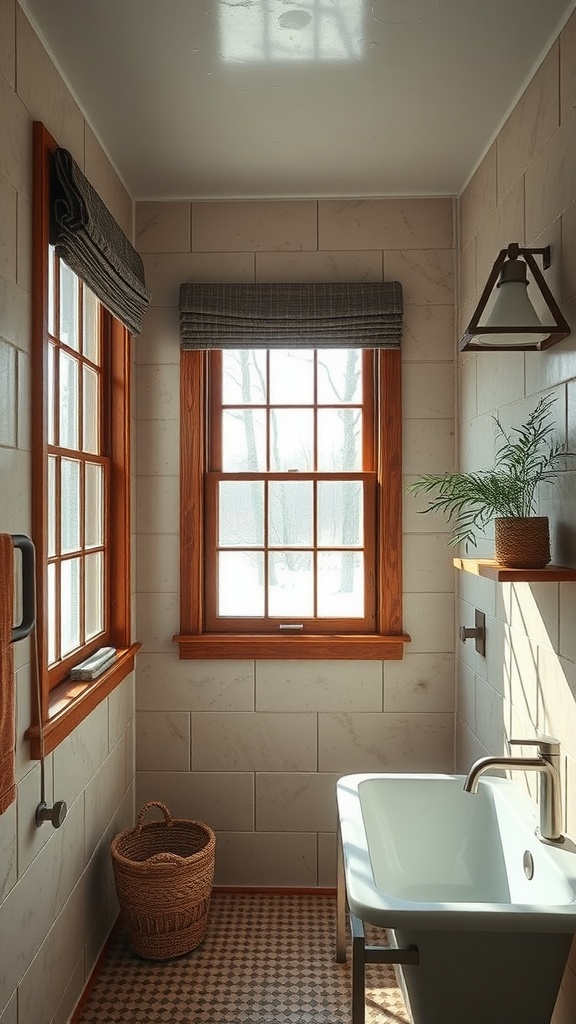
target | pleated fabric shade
x=90, y=241
x=351, y=315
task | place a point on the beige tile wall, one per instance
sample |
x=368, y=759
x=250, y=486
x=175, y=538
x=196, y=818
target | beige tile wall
x=255, y=748
x=524, y=191
x=57, y=899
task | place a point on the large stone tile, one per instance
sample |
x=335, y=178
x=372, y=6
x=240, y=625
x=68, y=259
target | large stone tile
x=254, y=226
x=223, y=800
x=314, y=267
x=16, y=150
x=428, y=446
x=157, y=563
x=8, y=222
x=157, y=620
x=159, y=342
x=394, y=742
x=533, y=120
x=162, y=741
x=426, y=275
x=44, y=93
x=80, y=755
x=428, y=391
x=295, y=802
x=166, y=272
x=568, y=67
x=479, y=199
x=504, y=226
x=162, y=227
x=429, y=620
x=318, y=686
x=420, y=682
x=8, y=40
x=254, y=742
x=158, y=508
x=166, y=683
x=427, y=564
x=157, y=391
x=428, y=333
x=103, y=177
x=385, y=224
x=550, y=178
x=266, y=859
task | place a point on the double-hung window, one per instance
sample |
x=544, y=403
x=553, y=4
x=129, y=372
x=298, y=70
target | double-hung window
x=290, y=492
x=81, y=479
x=291, y=503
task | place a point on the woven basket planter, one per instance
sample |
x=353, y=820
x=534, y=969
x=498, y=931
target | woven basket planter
x=163, y=872
x=522, y=543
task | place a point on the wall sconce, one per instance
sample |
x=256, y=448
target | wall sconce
x=512, y=321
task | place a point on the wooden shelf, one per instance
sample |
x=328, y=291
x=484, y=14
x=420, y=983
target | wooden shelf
x=491, y=570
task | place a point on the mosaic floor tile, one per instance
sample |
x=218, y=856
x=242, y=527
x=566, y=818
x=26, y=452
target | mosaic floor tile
x=265, y=959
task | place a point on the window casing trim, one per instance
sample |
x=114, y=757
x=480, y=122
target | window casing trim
x=388, y=640
x=60, y=716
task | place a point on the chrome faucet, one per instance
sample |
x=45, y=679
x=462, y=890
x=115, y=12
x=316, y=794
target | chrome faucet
x=547, y=762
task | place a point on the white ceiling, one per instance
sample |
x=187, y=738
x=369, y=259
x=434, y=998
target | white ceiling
x=299, y=98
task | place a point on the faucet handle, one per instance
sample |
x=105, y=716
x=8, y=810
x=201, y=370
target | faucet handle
x=546, y=744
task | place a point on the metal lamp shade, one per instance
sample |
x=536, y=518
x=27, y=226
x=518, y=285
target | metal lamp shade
x=513, y=322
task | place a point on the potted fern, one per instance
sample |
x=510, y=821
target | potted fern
x=506, y=494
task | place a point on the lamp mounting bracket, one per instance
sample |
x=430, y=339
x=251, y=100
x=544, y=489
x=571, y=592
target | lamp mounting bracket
x=514, y=251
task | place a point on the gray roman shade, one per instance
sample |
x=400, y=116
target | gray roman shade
x=357, y=315
x=89, y=240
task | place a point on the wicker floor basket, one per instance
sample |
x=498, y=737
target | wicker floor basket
x=163, y=872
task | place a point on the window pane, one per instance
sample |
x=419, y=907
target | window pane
x=291, y=439
x=50, y=396
x=51, y=303
x=94, y=510
x=290, y=514
x=340, y=584
x=339, y=440
x=69, y=606
x=69, y=505
x=91, y=325
x=52, y=468
x=241, y=507
x=244, y=377
x=94, y=594
x=90, y=411
x=241, y=583
x=339, y=376
x=291, y=583
x=291, y=377
x=51, y=610
x=340, y=518
x=244, y=441
x=68, y=307
x=68, y=401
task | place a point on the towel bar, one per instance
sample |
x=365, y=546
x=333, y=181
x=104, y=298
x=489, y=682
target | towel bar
x=25, y=627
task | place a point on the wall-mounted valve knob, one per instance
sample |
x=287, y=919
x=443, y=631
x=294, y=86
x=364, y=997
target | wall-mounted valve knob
x=477, y=632
x=55, y=814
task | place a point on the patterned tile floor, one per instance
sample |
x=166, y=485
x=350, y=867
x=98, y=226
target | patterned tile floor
x=265, y=959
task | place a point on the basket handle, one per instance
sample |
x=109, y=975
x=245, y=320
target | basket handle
x=168, y=819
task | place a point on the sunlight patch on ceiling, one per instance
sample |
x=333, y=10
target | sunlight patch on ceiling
x=279, y=31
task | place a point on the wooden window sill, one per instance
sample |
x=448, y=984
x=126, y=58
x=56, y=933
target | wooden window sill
x=73, y=700
x=359, y=647
x=490, y=569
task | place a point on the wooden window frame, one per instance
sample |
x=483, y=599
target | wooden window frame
x=65, y=705
x=388, y=640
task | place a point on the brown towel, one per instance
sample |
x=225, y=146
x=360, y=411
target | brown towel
x=7, y=727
